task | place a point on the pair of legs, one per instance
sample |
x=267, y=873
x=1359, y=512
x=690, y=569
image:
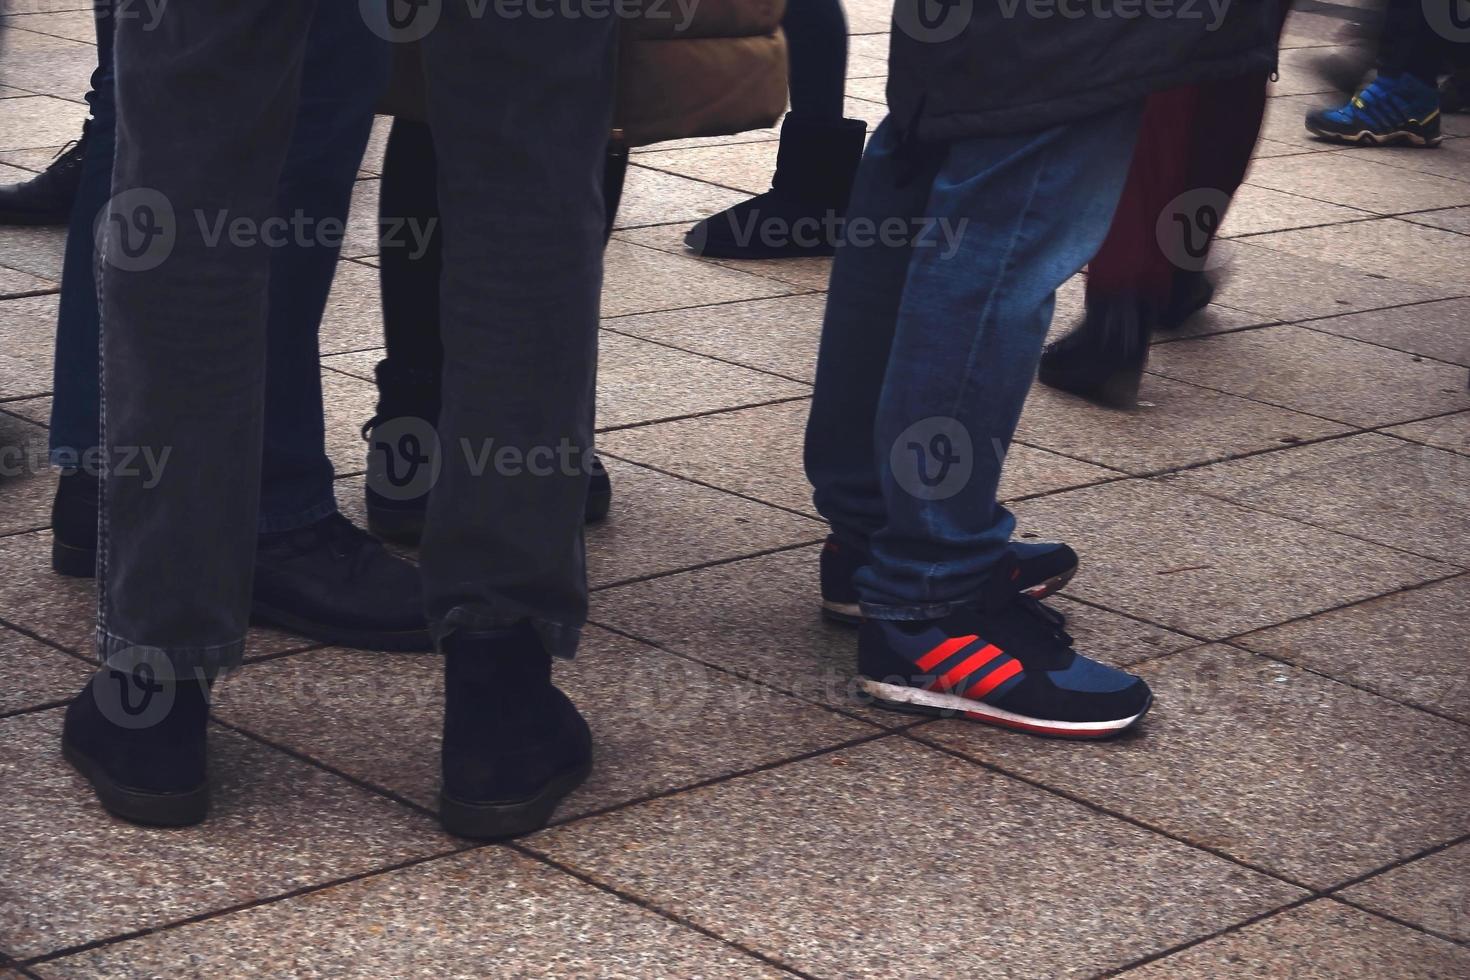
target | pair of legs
x=928, y=348
x=206, y=107
x=366, y=598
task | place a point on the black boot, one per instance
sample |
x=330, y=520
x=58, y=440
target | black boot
x=46, y=198
x=138, y=736
x=333, y=582
x=514, y=745
x=800, y=214
x=1103, y=357
x=74, y=525
x=398, y=482
x=1191, y=292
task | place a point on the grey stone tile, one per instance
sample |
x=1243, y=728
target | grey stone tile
x=1267, y=148
x=640, y=381
x=70, y=874
x=862, y=66
x=806, y=273
x=659, y=721
x=778, y=335
x=1317, y=373
x=13, y=282
x=1255, y=210
x=1450, y=432
x=871, y=89
x=432, y=919
x=1432, y=892
x=829, y=863
x=47, y=65
x=1440, y=330
x=661, y=524
x=1450, y=159
x=6, y=92
x=1115, y=639
x=1354, y=180
x=34, y=250
x=1384, y=247
x=1409, y=646
x=25, y=475
x=1177, y=425
x=39, y=120
x=73, y=24
x=740, y=166
x=641, y=280
x=652, y=197
x=64, y=610
x=1207, y=567
x=353, y=319
x=1285, y=122
x=1415, y=498
x=868, y=17
x=35, y=674
x=1450, y=219
x=40, y=6
x=348, y=402
x=362, y=220
x=1278, y=767
x=27, y=345
x=37, y=409
x=1322, y=940
x=1290, y=287
x=377, y=146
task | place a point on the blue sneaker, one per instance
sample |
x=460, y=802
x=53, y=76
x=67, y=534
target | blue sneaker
x=1398, y=109
x=1003, y=661
x=1044, y=567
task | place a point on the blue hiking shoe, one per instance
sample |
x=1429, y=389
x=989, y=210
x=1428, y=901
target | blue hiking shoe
x=1004, y=660
x=1398, y=109
x=1045, y=567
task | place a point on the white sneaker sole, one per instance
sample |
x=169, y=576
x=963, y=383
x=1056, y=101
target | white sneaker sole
x=906, y=698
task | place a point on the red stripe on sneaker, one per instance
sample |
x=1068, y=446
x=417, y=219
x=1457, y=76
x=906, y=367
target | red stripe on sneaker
x=944, y=651
x=994, y=679
x=965, y=668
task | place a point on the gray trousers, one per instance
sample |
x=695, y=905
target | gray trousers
x=207, y=94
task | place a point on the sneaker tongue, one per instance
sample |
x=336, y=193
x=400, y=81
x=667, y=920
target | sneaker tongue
x=1001, y=588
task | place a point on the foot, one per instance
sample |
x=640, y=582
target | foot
x=333, y=582
x=514, y=745
x=46, y=198
x=1103, y=357
x=801, y=214
x=1394, y=109
x=1043, y=568
x=139, y=739
x=1003, y=661
x=1191, y=292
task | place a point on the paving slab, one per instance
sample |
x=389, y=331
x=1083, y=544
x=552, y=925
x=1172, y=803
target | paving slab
x=1450, y=219
x=641, y=280
x=1355, y=180
x=1450, y=432
x=1409, y=646
x=1174, y=425
x=47, y=65
x=829, y=863
x=811, y=273
x=35, y=673
x=72, y=874
x=353, y=319
x=1432, y=893
x=1450, y=159
x=32, y=249
x=348, y=402
x=779, y=336
x=38, y=120
x=64, y=610
x=1323, y=940
x=77, y=24
x=1318, y=374
x=1440, y=330
x=653, y=196
x=494, y=913
x=13, y=282
x=36, y=409
x=743, y=167
x=1289, y=771
x=1383, y=247
x=1414, y=498
x=25, y=475
x=1285, y=122
x=1256, y=210
x=1209, y=568
x=659, y=721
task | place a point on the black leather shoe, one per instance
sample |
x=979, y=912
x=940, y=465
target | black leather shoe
x=1103, y=357
x=1191, y=292
x=74, y=525
x=139, y=739
x=46, y=198
x=333, y=582
x=514, y=745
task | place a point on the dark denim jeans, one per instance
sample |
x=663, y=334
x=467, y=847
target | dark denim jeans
x=343, y=73
x=931, y=337
x=521, y=108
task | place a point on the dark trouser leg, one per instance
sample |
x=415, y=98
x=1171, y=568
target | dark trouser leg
x=206, y=102
x=409, y=200
x=503, y=543
x=816, y=42
x=1410, y=44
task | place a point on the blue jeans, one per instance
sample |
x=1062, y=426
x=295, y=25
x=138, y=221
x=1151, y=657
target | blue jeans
x=931, y=339
x=344, y=71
